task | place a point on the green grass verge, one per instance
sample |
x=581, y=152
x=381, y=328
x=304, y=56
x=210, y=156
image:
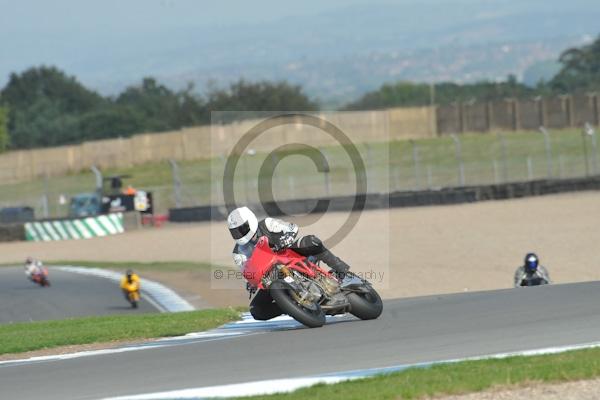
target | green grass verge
x=165, y=266
x=138, y=266
x=27, y=336
x=460, y=378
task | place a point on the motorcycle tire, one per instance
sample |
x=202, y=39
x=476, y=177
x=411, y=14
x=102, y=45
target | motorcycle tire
x=132, y=300
x=365, y=305
x=280, y=292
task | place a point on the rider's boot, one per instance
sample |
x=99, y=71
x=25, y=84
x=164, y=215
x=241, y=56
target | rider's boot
x=333, y=262
x=340, y=267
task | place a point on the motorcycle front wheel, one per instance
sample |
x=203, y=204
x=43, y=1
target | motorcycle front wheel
x=282, y=293
x=365, y=305
x=133, y=300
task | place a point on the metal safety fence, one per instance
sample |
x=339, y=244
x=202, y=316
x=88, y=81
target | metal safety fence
x=403, y=165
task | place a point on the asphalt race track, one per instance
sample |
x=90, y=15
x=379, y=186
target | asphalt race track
x=70, y=295
x=410, y=330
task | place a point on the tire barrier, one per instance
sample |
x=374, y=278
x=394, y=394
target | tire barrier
x=15, y=215
x=12, y=233
x=444, y=196
x=66, y=229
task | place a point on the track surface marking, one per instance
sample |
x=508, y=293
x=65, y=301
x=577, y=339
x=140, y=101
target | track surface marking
x=410, y=331
x=71, y=295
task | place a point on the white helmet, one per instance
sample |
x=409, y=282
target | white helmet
x=243, y=225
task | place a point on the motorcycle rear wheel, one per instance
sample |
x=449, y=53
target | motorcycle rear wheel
x=280, y=291
x=132, y=300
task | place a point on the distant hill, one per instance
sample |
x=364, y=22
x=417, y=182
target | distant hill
x=336, y=55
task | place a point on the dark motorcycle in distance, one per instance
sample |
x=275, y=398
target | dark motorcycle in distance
x=533, y=281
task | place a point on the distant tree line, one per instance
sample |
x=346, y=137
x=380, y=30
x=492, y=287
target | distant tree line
x=43, y=106
x=4, y=138
x=406, y=94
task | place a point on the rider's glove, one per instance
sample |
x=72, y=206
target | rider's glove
x=251, y=289
x=523, y=280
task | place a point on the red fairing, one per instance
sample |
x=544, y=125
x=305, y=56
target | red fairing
x=263, y=259
x=40, y=275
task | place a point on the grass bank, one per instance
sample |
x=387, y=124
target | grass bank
x=28, y=336
x=461, y=378
x=138, y=266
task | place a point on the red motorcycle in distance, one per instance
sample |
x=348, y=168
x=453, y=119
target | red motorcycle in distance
x=304, y=290
x=41, y=278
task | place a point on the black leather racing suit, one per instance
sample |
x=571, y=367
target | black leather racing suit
x=283, y=234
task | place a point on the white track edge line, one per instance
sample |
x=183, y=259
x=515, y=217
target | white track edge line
x=289, y=385
x=244, y=327
x=156, y=344
x=160, y=296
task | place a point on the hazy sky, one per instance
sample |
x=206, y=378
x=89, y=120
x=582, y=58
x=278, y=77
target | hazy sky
x=107, y=44
x=20, y=16
x=65, y=32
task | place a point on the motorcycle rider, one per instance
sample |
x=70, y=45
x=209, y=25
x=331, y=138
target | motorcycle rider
x=246, y=229
x=32, y=267
x=130, y=283
x=531, y=272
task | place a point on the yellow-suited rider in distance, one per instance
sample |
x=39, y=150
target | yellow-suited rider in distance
x=130, y=284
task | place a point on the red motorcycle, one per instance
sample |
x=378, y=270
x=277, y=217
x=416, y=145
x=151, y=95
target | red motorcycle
x=304, y=290
x=41, y=278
